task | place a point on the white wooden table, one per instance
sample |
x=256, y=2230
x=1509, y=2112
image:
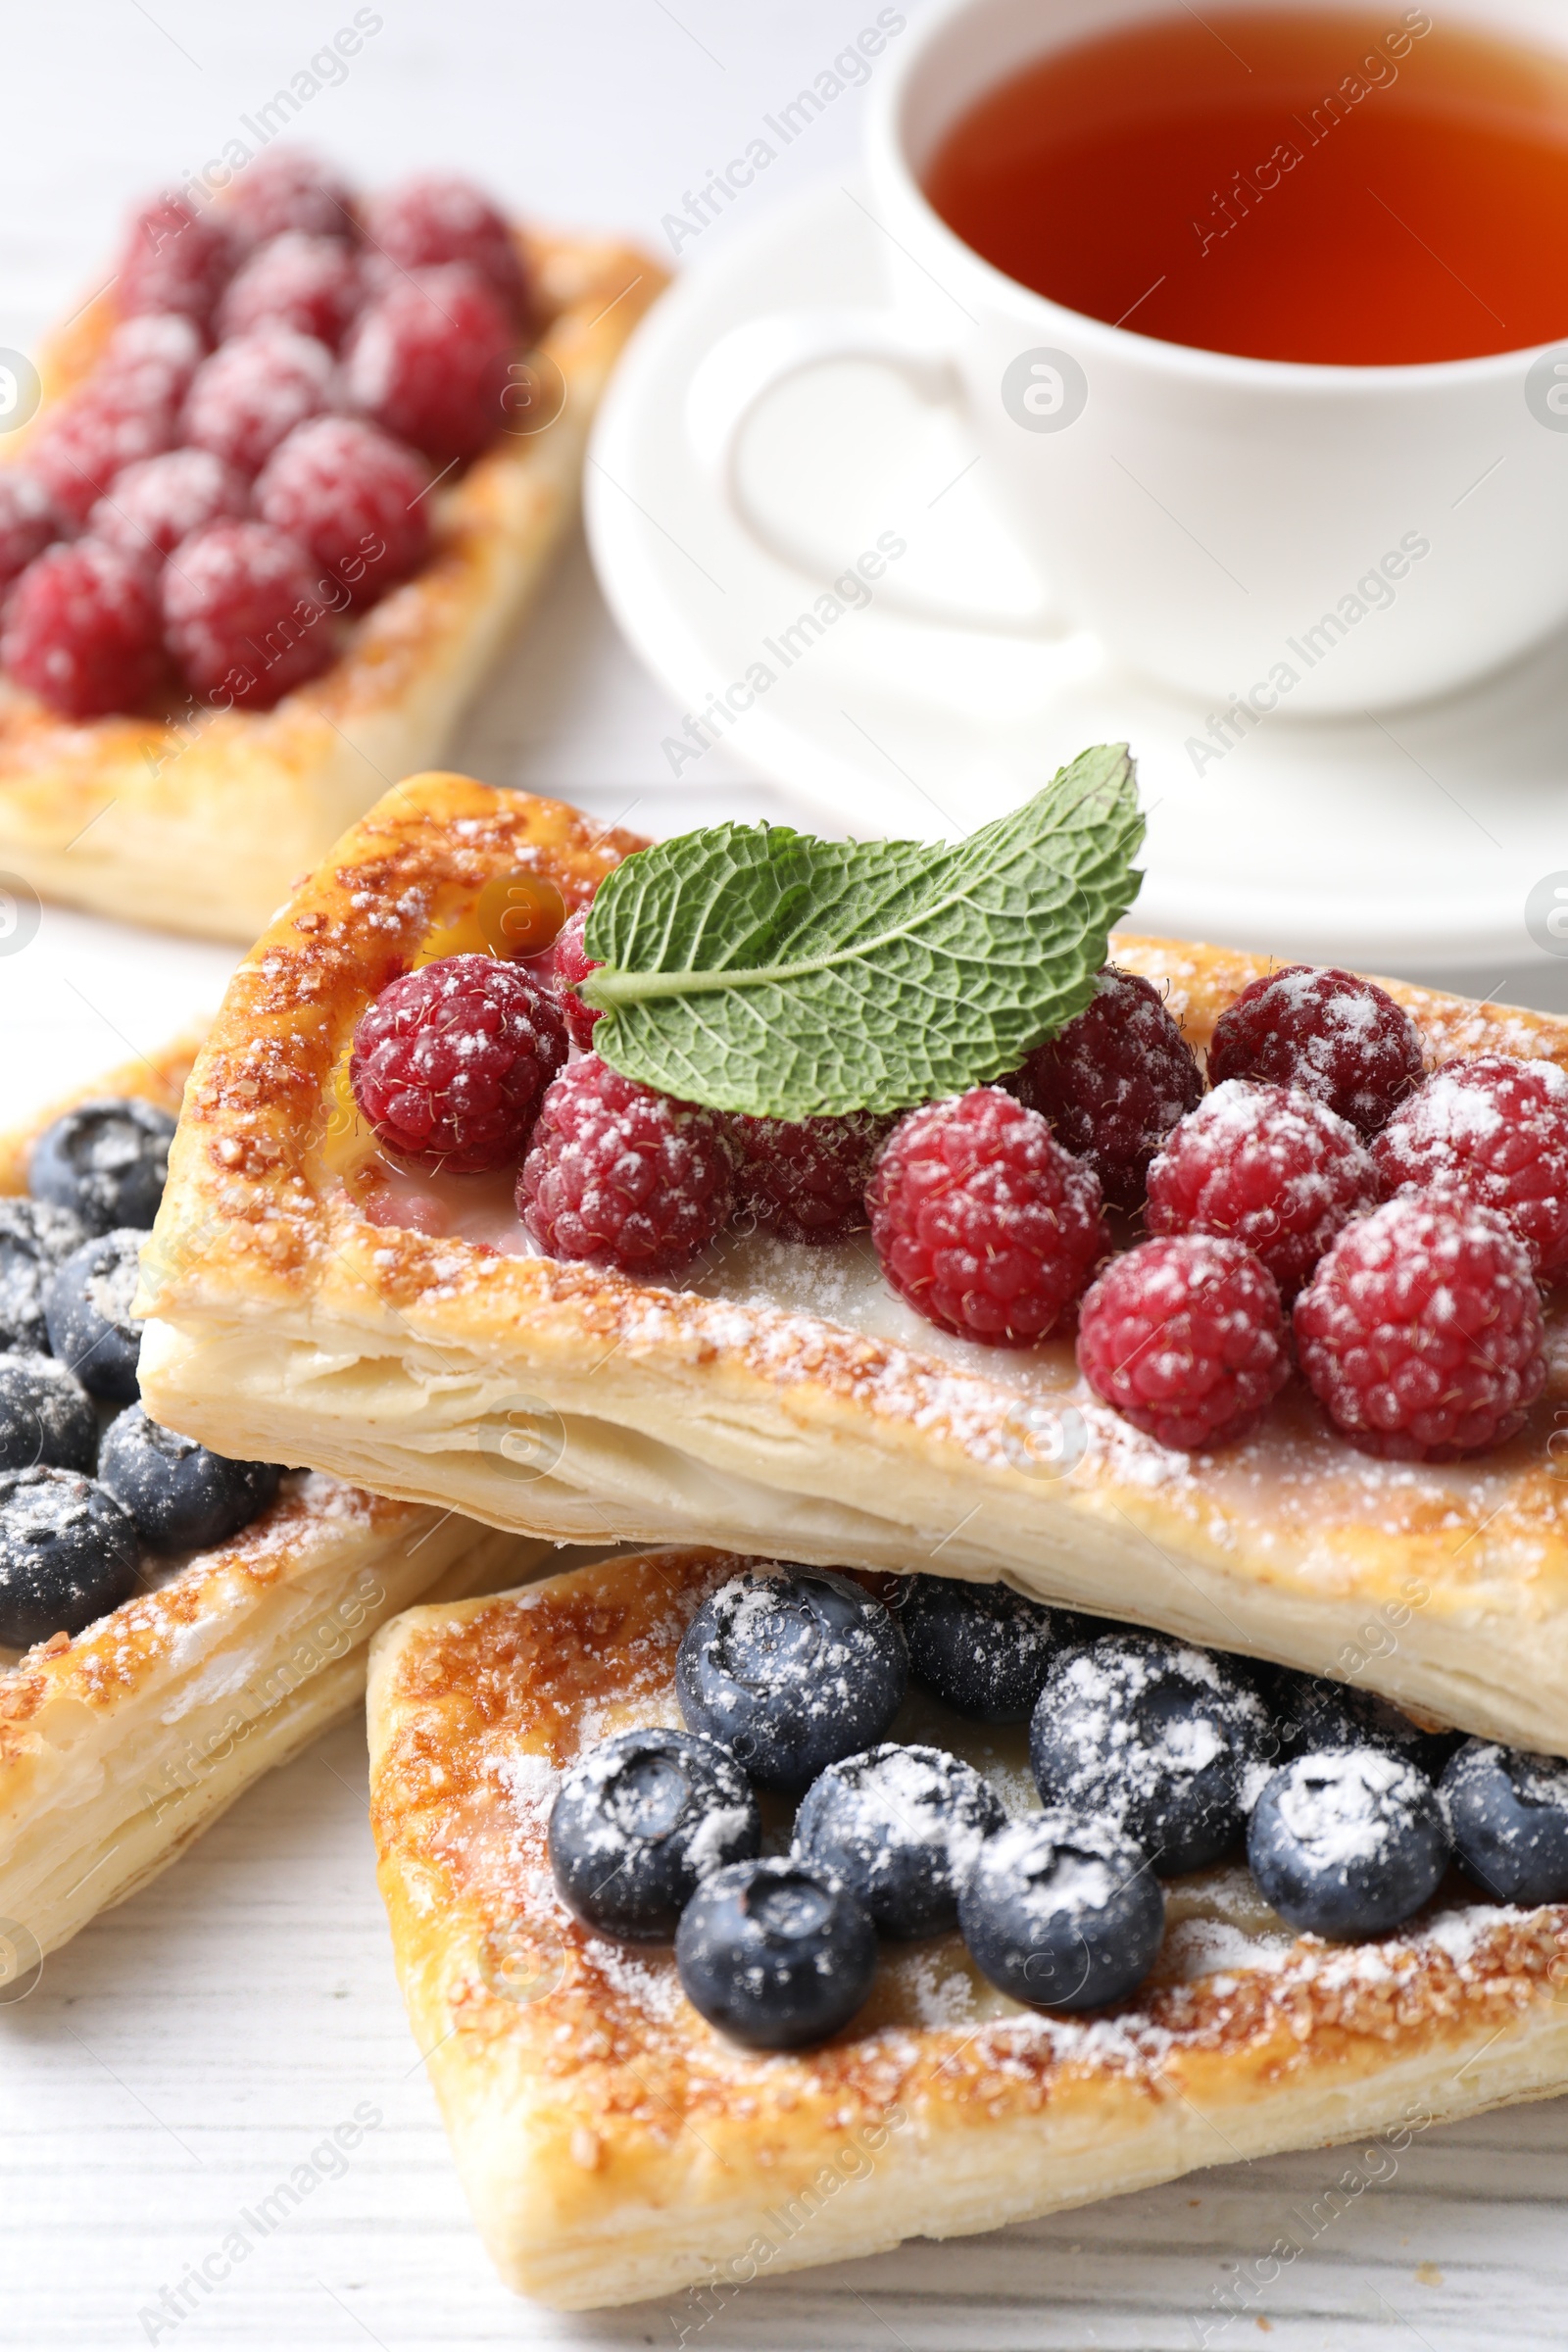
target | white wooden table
x=193, y=2048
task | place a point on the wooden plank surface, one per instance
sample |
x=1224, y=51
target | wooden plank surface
x=190, y=2051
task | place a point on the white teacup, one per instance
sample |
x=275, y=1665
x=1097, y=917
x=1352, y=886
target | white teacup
x=1257, y=532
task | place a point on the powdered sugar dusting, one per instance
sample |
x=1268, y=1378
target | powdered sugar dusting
x=899, y=1803
x=1454, y=1112
x=1329, y=1032
x=530, y=1783
x=785, y=1309
x=1338, y=1807
x=713, y=1842
x=1267, y=1165
x=1497, y=1129
x=609, y=2025
x=1126, y=1760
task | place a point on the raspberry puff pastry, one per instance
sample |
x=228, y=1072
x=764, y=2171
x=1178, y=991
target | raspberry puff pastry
x=120, y=1745
x=778, y=1386
x=200, y=820
x=614, y=2146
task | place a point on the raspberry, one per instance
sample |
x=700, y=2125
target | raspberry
x=254, y=391
x=570, y=966
x=152, y=358
x=1267, y=1166
x=243, y=614
x=83, y=631
x=29, y=521
x=427, y=362
x=1497, y=1129
x=981, y=1220
x=158, y=501
x=312, y=284
x=1337, y=1037
x=1115, y=1083
x=173, y=259
x=284, y=188
x=1185, y=1337
x=622, y=1176
x=344, y=491
x=806, y=1177
x=1421, y=1332
x=97, y=432
x=436, y=218
x=450, y=1062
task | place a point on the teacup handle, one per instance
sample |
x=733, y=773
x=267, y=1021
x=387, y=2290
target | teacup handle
x=752, y=361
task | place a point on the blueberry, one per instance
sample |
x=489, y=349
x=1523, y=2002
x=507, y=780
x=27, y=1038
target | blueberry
x=45, y=1416
x=640, y=1821
x=982, y=1649
x=1063, y=1910
x=68, y=1554
x=1312, y=1714
x=33, y=1237
x=1508, y=1811
x=107, y=1160
x=792, y=1672
x=776, y=1953
x=1155, y=1735
x=87, y=1302
x=181, y=1497
x=900, y=1826
x=1347, y=1843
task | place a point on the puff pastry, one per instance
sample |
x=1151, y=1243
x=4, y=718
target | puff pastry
x=118, y=1747
x=613, y=2146
x=203, y=828
x=787, y=1389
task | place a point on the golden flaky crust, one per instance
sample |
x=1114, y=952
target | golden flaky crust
x=614, y=2146
x=118, y=1747
x=201, y=823
x=787, y=1390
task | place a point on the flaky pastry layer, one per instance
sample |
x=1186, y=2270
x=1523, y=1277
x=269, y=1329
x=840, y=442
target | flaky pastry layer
x=199, y=821
x=119, y=1747
x=787, y=1389
x=614, y=2146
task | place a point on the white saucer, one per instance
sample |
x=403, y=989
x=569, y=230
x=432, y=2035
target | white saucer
x=1407, y=842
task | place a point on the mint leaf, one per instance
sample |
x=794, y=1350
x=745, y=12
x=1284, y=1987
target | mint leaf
x=754, y=968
